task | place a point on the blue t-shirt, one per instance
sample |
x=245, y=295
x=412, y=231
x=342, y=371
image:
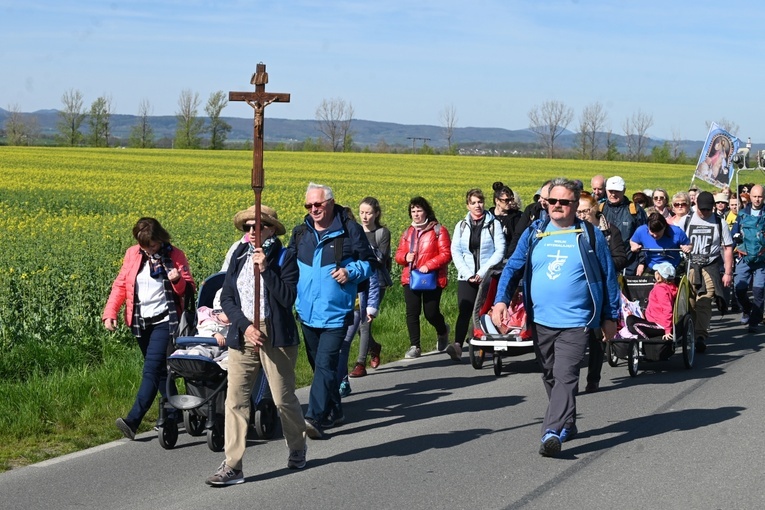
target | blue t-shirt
x=673, y=237
x=558, y=284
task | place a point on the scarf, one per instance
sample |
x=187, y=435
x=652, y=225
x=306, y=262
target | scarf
x=159, y=262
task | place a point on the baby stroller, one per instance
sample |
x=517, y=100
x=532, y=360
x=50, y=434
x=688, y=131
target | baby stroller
x=487, y=339
x=635, y=289
x=205, y=381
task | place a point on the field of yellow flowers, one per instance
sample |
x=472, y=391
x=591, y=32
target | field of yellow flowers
x=66, y=217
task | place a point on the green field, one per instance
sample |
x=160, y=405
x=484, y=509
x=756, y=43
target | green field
x=66, y=221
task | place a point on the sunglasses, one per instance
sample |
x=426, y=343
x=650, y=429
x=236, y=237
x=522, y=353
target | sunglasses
x=505, y=200
x=317, y=205
x=659, y=198
x=565, y=202
x=721, y=203
x=680, y=204
x=251, y=226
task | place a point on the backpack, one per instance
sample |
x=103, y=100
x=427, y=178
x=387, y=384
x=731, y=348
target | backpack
x=463, y=226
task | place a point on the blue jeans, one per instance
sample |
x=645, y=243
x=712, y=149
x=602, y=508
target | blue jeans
x=153, y=344
x=323, y=349
x=741, y=282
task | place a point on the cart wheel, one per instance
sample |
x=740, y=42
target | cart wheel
x=264, y=419
x=497, y=360
x=689, y=342
x=215, y=437
x=633, y=358
x=477, y=355
x=613, y=359
x=194, y=423
x=168, y=434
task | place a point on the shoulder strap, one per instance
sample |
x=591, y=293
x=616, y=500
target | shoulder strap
x=463, y=225
x=688, y=222
x=378, y=236
x=633, y=209
x=282, y=256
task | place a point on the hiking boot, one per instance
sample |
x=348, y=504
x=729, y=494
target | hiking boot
x=296, y=460
x=358, y=371
x=225, y=476
x=374, y=359
x=313, y=429
x=345, y=389
x=568, y=433
x=443, y=340
x=550, y=446
x=126, y=429
x=413, y=352
x=455, y=352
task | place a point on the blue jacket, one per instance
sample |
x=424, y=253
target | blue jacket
x=598, y=269
x=490, y=252
x=752, y=241
x=321, y=301
x=280, y=282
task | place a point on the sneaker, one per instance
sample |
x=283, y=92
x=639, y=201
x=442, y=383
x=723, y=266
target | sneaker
x=358, y=371
x=455, y=352
x=345, y=389
x=333, y=419
x=313, y=429
x=744, y=318
x=568, y=433
x=225, y=476
x=591, y=387
x=413, y=352
x=374, y=358
x=550, y=446
x=126, y=429
x=443, y=340
x=296, y=460
x=701, y=346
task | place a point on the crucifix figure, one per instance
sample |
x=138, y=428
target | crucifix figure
x=258, y=100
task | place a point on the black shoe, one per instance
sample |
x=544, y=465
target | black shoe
x=313, y=429
x=701, y=346
x=333, y=419
x=126, y=429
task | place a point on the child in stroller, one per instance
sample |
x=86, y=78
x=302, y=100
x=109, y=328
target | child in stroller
x=658, y=319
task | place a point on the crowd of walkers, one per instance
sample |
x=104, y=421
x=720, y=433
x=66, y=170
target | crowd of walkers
x=564, y=249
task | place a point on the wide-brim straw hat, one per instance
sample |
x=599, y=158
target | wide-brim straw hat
x=268, y=216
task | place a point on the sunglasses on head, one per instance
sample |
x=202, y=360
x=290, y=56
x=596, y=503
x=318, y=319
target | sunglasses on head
x=317, y=205
x=251, y=226
x=565, y=202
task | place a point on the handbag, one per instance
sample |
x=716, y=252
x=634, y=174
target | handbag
x=418, y=280
x=187, y=322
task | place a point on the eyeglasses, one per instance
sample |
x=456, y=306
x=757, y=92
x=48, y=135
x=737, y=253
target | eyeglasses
x=565, y=202
x=659, y=197
x=251, y=226
x=680, y=204
x=506, y=200
x=583, y=211
x=317, y=205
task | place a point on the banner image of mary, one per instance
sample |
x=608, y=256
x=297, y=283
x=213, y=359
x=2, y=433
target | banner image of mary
x=715, y=165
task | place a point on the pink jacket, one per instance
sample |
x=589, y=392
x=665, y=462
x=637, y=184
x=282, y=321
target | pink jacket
x=123, y=288
x=661, y=303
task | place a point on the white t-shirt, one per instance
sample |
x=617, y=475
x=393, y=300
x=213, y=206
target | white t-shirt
x=705, y=238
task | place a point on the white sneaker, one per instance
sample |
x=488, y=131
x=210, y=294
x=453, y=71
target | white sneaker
x=413, y=352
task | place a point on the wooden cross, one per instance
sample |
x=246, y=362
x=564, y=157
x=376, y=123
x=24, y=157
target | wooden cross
x=258, y=100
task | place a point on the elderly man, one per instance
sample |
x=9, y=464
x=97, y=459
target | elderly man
x=712, y=250
x=626, y=216
x=747, y=231
x=598, y=185
x=334, y=257
x=569, y=288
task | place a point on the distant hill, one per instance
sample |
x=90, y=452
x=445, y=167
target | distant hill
x=365, y=132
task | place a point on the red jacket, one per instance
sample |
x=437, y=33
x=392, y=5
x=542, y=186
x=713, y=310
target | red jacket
x=661, y=303
x=431, y=250
x=123, y=288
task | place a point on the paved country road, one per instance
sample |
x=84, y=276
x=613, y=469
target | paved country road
x=428, y=434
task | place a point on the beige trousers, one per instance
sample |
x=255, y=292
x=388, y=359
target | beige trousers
x=702, y=305
x=243, y=368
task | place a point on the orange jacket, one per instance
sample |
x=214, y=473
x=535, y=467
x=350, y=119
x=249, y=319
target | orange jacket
x=123, y=288
x=431, y=250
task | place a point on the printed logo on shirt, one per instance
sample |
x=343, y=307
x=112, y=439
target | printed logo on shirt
x=555, y=266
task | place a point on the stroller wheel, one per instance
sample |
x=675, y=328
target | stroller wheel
x=215, y=437
x=168, y=434
x=634, y=358
x=194, y=423
x=476, y=355
x=497, y=360
x=613, y=359
x=264, y=419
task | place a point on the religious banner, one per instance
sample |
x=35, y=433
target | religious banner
x=715, y=164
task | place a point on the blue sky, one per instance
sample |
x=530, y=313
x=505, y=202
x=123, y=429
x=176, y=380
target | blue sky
x=685, y=63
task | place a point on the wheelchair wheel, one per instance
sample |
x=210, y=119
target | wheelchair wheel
x=168, y=434
x=194, y=423
x=634, y=358
x=497, y=361
x=689, y=341
x=476, y=355
x=613, y=359
x=265, y=419
x=215, y=437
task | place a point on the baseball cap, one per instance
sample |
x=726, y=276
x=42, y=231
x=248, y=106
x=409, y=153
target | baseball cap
x=705, y=200
x=665, y=269
x=615, y=183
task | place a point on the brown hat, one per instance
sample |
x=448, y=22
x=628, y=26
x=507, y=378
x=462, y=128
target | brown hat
x=268, y=217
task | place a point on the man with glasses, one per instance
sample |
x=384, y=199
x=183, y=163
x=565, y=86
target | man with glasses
x=334, y=257
x=626, y=216
x=748, y=234
x=568, y=259
x=712, y=251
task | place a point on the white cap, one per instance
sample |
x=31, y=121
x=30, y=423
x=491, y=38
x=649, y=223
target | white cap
x=665, y=269
x=615, y=183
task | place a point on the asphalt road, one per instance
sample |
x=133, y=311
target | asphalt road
x=427, y=434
